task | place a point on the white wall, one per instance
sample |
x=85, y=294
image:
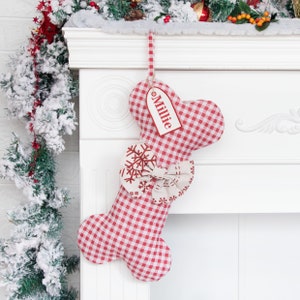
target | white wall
x=15, y=25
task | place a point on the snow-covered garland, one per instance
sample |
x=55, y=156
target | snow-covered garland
x=39, y=89
x=184, y=11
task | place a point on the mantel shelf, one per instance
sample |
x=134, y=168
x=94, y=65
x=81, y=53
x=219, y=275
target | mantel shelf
x=91, y=48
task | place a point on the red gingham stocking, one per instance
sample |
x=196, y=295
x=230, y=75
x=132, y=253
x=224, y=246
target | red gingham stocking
x=131, y=229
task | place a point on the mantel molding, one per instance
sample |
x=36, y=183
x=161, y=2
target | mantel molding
x=92, y=48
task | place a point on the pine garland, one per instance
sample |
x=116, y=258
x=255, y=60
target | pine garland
x=221, y=9
x=39, y=89
x=118, y=9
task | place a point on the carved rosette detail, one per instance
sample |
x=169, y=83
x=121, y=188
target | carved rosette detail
x=281, y=123
x=109, y=103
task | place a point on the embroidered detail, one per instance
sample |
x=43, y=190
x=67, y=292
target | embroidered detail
x=139, y=173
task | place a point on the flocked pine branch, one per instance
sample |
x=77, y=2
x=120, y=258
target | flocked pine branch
x=39, y=90
x=33, y=262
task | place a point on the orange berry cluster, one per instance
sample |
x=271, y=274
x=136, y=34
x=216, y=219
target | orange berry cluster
x=257, y=21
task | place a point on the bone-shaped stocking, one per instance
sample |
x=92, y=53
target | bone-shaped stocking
x=131, y=230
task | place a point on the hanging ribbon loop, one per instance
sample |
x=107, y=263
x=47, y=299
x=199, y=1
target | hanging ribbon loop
x=151, y=75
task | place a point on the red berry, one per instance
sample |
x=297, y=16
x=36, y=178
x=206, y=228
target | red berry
x=31, y=127
x=167, y=18
x=94, y=4
x=36, y=145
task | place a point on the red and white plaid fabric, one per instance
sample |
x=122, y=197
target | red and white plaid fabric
x=131, y=229
x=202, y=124
x=150, y=57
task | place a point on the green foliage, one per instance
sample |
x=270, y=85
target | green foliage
x=33, y=289
x=68, y=294
x=74, y=84
x=35, y=249
x=30, y=285
x=243, y=7
x=35, y=215
x=266, y=24
x=165, y=4
x=290, y=8
x=76, y=5
x=71, y=263
x=118, y=9
x=17, y=160
x=221, y=9
x=44, y=85
x=263, y=27
x=5, y=81
x=43, y=163
x=57, y=51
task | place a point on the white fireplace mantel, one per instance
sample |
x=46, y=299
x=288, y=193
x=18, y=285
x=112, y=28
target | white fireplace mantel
x=91, y=48
x=254, y=168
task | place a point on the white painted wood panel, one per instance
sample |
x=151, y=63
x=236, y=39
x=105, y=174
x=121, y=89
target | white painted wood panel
x=240, y=173
x=216, y=188
x=259, y=123
x=99, y=167
x=94, y=49
x=104, y=114
x=269, y=257
x=205, y=258
x=254, y=168
x=244, y=257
